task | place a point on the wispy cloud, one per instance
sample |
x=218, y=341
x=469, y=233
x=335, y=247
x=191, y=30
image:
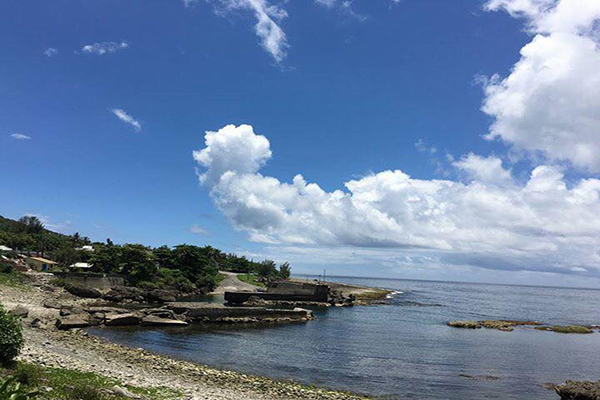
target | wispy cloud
x=20, y=136
x=198, y=230
x=104, y=47
x=268, y=16
x=342, y=6
x=128, y=119
x=50, y=52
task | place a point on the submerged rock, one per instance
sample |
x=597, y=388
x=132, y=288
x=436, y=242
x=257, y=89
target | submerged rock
x=582, y=390
x=579, y=329
x=499, y=324
x=464, y=324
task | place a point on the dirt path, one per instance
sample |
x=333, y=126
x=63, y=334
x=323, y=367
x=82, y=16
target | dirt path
x=232, y=283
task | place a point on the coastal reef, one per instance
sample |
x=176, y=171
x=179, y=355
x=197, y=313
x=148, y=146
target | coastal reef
x=509, y=326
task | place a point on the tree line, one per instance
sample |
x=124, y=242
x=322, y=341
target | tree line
x=184, y=267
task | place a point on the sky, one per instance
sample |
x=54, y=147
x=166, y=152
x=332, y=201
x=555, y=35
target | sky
x=409, y=139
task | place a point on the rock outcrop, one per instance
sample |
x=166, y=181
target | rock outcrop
x=83, y=291
x=579, y=390
x=123, y=319
x=20, y=311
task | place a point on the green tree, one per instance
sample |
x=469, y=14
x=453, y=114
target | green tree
x=31, y=224
x=285, y=271
x=106, y=258
x=195, y=265
x=66, y=256
x=267, y=270
x=137, y=262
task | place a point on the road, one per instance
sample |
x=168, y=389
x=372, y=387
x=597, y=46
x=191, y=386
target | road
x=232, y=283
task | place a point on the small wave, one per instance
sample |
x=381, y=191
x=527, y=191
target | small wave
x=391, y=295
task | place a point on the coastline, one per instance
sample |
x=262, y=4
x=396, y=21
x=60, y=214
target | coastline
x=77, y=350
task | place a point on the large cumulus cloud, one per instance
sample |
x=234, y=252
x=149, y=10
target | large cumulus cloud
x=541, y=224
x=549, y=104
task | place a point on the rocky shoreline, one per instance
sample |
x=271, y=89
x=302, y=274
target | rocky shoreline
x=75, y=349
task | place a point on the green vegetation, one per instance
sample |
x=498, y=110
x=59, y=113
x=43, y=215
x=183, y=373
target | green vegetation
x=251, y=279
x=11, y=390
x=14, y=279
x=75, y=385
x=11, y=337
x=183, y=268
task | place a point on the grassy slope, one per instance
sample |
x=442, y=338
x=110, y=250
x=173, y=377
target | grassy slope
x=251, y=279
x=76, y=385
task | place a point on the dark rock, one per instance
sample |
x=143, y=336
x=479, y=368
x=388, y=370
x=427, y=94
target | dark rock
x=160, y=296
x=480, y=377
x=72, y=322
x=157, y=321
x=579, y=390
x=122, y=319
x=64, y=312
x=20, y=311
x=119, y=294
x=38, y=323
x=161, y=313
x=52, y=304
x=464, y=324
x=83, y=291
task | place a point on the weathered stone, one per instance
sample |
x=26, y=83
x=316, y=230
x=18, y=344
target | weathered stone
x=83, y=291
x=122, y=392
x=158, y=321
x=160, y=312
x=577, y=329
x=122, y=319
x=72, y=322
x=119, y=294
x=579, y=390
x=20, y=311
x=65, y=312
x=464, y=324
x=160, y=296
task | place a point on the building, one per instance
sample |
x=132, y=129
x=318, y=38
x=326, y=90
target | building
x=80, y=265
x=85, y=248
x=41, y=264
x=4, y=248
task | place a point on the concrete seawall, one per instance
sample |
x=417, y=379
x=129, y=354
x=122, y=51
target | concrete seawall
x=195, y=312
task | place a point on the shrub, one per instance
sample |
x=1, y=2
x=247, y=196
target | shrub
x=11, y=390
x=6, y=267
x=11, y=337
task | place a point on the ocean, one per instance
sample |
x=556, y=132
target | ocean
x=404, y=350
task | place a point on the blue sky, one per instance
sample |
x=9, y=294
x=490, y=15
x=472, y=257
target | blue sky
x=352, y=89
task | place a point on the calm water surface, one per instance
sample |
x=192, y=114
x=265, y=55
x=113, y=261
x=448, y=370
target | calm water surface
x=404, y=349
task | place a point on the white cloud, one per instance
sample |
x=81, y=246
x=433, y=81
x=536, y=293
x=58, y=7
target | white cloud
x=20, y=136
x=198, y=230
x=50, y=52
x=343, y=6
x=550, y=102
x=492, y=221
x=128, y=119
x=268, y=17
x=104, y=47
x=484, y=169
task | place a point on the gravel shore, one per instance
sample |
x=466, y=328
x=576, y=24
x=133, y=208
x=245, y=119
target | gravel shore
x=76, y=349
